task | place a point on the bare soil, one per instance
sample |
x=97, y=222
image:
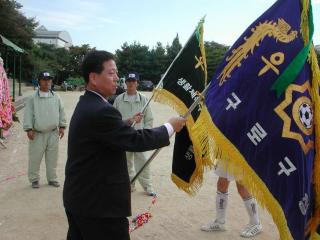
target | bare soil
x=38, y=214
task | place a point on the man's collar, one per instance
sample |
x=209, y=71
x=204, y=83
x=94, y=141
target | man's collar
x=98, y=95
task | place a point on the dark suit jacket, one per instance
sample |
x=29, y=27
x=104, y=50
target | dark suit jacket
x=97, y=182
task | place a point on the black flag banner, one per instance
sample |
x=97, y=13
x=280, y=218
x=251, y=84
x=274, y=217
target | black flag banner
x=183, y=82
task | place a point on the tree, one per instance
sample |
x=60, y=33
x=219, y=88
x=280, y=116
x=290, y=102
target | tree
x=173, y=50
x=215, y=53
x=158, y=62
x=46, y=57
x=134, y=57
x=19, y=30
x=77, y=54
x=14, y=25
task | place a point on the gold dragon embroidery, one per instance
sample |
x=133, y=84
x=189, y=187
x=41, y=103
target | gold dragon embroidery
x=279, y=31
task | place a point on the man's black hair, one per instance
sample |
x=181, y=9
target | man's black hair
x=93, y=62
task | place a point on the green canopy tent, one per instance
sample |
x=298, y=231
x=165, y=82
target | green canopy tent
x=10, y=47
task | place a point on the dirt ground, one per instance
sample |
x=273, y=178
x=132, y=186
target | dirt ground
x=38, y=214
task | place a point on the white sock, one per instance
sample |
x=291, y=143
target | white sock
x=221, y=206
x=252, y=209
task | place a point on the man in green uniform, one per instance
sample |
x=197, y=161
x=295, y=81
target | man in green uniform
x=128, y=104
x=44, y=122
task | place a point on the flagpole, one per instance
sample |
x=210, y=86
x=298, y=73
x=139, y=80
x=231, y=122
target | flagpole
x=155, y=153
x=164, y=75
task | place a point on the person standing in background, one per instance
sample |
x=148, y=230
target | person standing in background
x=44, y=122
x=129, y=103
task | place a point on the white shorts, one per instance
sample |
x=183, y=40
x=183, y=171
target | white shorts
x=221, y=171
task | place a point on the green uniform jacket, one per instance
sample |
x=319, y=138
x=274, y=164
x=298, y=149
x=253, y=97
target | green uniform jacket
x=43, y=114
x=128, y=109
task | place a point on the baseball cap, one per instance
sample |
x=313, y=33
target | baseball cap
x=132, y=76
x=45, y=76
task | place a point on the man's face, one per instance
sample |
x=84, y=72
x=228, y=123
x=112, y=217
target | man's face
x=105, y=83
x=45, y=84
x=131, y=85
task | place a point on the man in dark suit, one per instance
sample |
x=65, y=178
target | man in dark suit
x=96, y=192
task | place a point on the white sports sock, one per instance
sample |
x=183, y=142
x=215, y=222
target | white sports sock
x=252, y=209
x=221, y=206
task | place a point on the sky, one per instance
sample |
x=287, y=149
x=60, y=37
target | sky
x=107, y=24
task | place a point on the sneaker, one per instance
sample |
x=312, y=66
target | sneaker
x=150, y=192
x=35, y=184
x=251, y=230
x=54, y=183
x=213, y=225
x=133, y=187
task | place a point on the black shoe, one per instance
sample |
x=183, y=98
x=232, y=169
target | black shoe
x=35, y=184
x=54, y=183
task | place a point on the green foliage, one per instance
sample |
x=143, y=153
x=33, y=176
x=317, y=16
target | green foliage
x=214, y=53
x=19, y=30
x=65, y=64
x=14, y=25
x=62, y=63
x=76, y=55
x=46, y=57
x=150, y=64
x=134, y=57
x=173, y=50
x=159, y=62
x=79, y=81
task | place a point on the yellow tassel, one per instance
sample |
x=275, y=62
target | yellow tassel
x=200, y=147
x=315, y=236
x=312, y=59
x=315, y=221
x=304, y=25
x=229, y=156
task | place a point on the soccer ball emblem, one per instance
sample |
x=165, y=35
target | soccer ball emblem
x=306, y=115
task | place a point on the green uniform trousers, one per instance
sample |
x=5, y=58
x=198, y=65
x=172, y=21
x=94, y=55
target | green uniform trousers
x=135, y=161
x=43, y=144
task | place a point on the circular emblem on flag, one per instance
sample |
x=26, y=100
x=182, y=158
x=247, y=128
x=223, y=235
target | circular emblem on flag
x=299, y=124
x=306, y=115
x=303, y=114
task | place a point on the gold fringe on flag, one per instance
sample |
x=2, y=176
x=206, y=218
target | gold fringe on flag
x=312, y=59
x=219, y=147
x=228, y=155
x=315, y=221
x=315, y=236
x=200, y=145
x=201, y=153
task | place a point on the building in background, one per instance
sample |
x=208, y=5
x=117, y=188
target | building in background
x=317, y=47
x=56, y=38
